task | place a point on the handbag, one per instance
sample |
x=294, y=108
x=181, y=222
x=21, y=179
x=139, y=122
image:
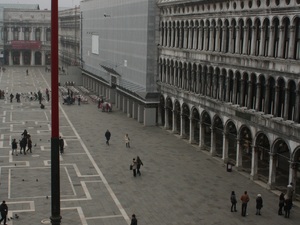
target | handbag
x=130, y=167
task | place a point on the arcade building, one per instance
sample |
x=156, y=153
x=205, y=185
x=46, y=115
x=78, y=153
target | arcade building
x=229, y=78
x=25, y=35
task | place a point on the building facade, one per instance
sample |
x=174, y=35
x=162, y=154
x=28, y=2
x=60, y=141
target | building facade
x=25, y=35
x=229, y=77
x=69, y=37
x=119, y=55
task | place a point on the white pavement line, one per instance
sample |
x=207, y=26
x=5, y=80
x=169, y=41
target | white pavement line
x=80, y=213
x=112, y=194
x=102, y=217
x=70, y=180
x=78, y=171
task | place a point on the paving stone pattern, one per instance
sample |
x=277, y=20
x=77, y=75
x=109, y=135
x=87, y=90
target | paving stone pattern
x=179, y=185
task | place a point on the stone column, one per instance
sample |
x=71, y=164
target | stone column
x=250, y=95
x=221, y=90
x=129, y=108
x=272, y=171
x=140, y=118
x=182, y=125
x=43, y=58
x=200, y=38
x=224, y=40
x=242, y=94
x=32, y=31
x=165, y=34
x=231, y=40
x=276, y=101
x=201, y=136
x=21, y=33
x=239, y=155
x=211, y=38
x=286, y=103
x=253, y=40
x=215, y=86
x=237, y=43
x=271, y=43
x=21, y=58
x=254, y=164
x=168, y=36
x=225, y=147
x=185, y=41
x=246, y=39
x=191, y=138
x=10, y=60
x=166, y=116
x=258, y=96
x=32, y=58
x=292, y=42
x=267, y=98
x=213, y=142
x=228, y=88
x=262, y=40
x=190, y=42
x=205, y=41
x=176, y=36
x=180, y=37
x=195, y=39
x=198, y=81
x=172, y=36
x=281, y=42
x=174, y=125
x=217, y=40
x=234, y=101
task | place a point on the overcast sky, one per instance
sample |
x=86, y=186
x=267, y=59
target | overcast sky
x=44, y=4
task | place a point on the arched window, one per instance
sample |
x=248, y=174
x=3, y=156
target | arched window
x=266, y=31
x=276, y=38
x=297, y=39
x=286, y=38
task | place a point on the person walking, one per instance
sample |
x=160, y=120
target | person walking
x=29, y=144
x=127, y=141
x=139, y=164
x=14, y=146
x=245, y=199
x=259, y=204
x=134, y=166
x=3, y=210
x=133, y=220
x=11, y=97
x=107, y=136
x=25, y=133
x=281, y=203
x=61, y=145
x=233, y=202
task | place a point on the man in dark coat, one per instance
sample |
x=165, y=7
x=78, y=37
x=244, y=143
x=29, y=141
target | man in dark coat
x=3, y=210
x=61, y=145
x=107, y=136
x=133, y=220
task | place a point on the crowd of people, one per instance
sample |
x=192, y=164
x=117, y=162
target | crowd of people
x=24, y=142
x=285, y=202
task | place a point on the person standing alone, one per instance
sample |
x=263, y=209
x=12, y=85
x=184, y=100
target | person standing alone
x=107, y=136
x=245, y=199
x=233, y=202
x=3, y=210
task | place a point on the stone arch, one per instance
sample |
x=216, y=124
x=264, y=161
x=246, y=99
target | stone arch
x=218, y=128
x=206, y=130
x=263, y=149
x=245, y=139
x=281, y=161
x=231, y=137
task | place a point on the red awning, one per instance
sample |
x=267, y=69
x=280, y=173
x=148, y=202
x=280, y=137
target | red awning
x=26, y=44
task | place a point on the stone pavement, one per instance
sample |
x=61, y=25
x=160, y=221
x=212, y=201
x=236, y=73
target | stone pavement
x=180, y=184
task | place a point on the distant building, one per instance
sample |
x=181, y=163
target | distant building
x=119, y=55
x=69, y=37
x=229, y=76
x=25, y=35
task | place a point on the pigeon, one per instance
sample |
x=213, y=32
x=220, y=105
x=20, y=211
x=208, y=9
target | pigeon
x=34, y=145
